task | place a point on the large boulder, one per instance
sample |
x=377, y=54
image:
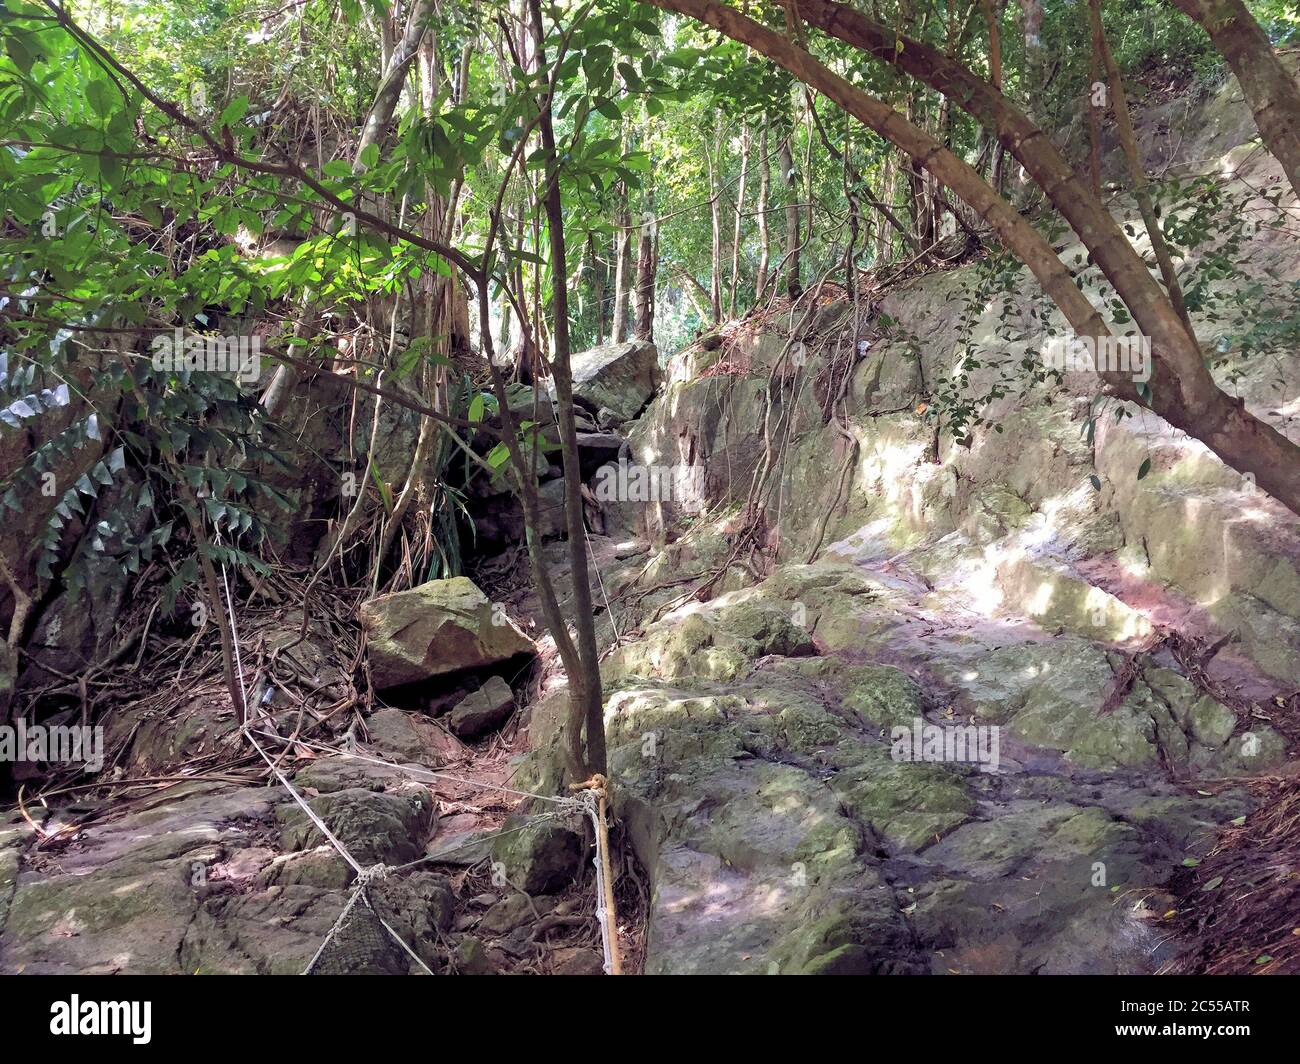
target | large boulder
x=439, y=627
x=620, y=378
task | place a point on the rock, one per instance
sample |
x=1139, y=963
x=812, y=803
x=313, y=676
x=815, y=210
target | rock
x=461, y=849
x=843, y=960
x=619, y=377
x=8, y=881
x=525, y=402
x=400, y=735
x=539, y=858
x=321, y=867
x=485, y=709
x=471, y=958
x=597, y=448
x=512, y=912
x=439, y=627
x=123, y=898
x=387, y=828
x=909, y=805
x=575, y=960
x=550, y=504
x=719, y=642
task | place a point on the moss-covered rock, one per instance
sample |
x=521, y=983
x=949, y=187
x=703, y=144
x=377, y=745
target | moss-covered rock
x=438, y=627
x=538, y=857
x=908, y=804
x=376, y=828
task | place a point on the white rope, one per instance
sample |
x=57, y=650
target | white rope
x=411, y=770
x=590, y=804
x=600, y=582
x=366, y=876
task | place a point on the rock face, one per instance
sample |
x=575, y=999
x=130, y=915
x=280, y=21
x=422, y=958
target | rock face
x=619, y=378
x=487, y=708
x=440, y=627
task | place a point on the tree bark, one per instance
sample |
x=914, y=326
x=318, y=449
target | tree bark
x=1067, y=191
x=1136, y=168
x=740, y=208
x=1271, y=92
x=373, y=131
x=715, y=223
x=647, y=265
x=622, y=267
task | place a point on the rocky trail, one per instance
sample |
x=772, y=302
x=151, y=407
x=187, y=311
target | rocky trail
x=873, y=706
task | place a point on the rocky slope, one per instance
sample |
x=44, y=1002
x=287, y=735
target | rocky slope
x=1133, y=642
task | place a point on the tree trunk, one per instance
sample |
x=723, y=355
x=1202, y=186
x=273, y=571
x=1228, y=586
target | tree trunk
x=764, y=235
x=715, y=223
x=372, y=132
x=1068, y=192
x=1136, y=167
x=785, y=160
x=647, y=264
x=585, y=689
x=1269, y=89
x=740, y=208
x=622, y=268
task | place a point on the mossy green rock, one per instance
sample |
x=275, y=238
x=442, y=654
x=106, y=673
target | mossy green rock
x=538, y=857
x=715, y=644
x=376, y=828
x=438, y=627
x=909, y=804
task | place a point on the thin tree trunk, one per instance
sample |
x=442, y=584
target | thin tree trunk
x=585, y=695
x=373, y=131
x=764, y=236
x=884, y=243
x=647, y=265
x=715, y=222
x=791, y=270
x=740, y=209
x=1094, y=103
x=622, y=267
x=598, y=278
x=993, y=24
x=1136, y=168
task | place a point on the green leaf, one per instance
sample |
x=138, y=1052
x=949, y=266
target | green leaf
x=100, y=94
x=1144, y=468
x=19, y=53
x=384, y=493
x=235, y=110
